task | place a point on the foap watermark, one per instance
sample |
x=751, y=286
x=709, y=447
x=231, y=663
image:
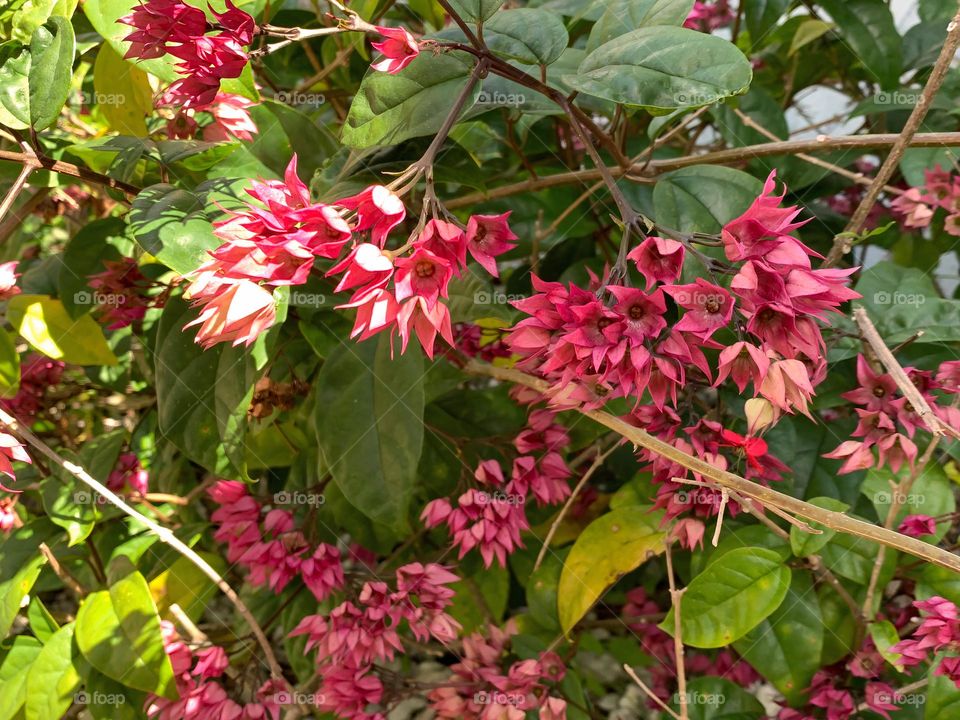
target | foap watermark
x=885, y=497
x=486, y=498
x=300, y=99
x=80, y=97
x=701, y=298
x=86, y=497
x=897, y=97
x=882, y=297
x=86, y=697
x=495, y=297
x=698, y=496
x=83, y=297
x=286, y=497
x=494, y=98
x=499, y=698
x=286, y=697
x=693, y=98
x=699, y=698
x=305, y=299
x=899, y=698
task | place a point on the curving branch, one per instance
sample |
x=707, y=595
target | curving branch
x=34, y=162
x=767, y=496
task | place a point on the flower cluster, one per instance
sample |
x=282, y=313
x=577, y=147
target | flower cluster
x=480, y=688
x=708, y=15
x=172, y=27
x=121, y=293
x=229, y=117
x=128, y=473
x=916, y=206
x=269, y=546
x=38, y=375
x=888, y=422
x=492, y=516
x=939, y=631
x=616, y=341
x=200, y=683
x=354, y=636
x=658, y=644
x=274, y=244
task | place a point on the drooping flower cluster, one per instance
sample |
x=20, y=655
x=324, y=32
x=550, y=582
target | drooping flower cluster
x=888, y=422
x=480, y=688
x=492, y=516
x=708, y=15
x=269, y=545
x=38, y=375
x=274, y=243
x=616, y=341
x=128, y=474
x=939, y=631
x=200, y=683
x=172, y=27
x=941, y=190
x=229, y=117
x=659, y=645
x=354, y=636
x=121, y=293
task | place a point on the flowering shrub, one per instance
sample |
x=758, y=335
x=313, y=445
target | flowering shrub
x=562, y=359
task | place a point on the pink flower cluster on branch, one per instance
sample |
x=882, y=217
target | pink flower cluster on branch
x=274, y=243
x=121, y=292
x=941, y=190
x=938, y=632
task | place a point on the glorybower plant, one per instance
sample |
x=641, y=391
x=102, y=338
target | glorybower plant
x=566, y=359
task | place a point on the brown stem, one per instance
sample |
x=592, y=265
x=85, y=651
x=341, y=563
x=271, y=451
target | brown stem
x=65, y=168
x=676, y=598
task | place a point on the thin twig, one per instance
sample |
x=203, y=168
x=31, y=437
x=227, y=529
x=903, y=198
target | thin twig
x=676, y=598
x=650, y=694
x=14, y=190
x=162, y=533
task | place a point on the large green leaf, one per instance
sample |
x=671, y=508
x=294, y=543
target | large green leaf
x=703, y=198
x=118, y=632
x=172, y=225
x=53, y=677
x=202, y=395
x=20, y=565
x=868, y=28
x=13, y=674
x=665, y=68
x=609, y=547
x=369, y=421
x=936, y=580
x=761, y=15
x=786, y=647
x=51, y=70
x=388, y=109
x=45, y=324
x=731, y=597
x=475, y=10
x=526, y=34
x=622, y=16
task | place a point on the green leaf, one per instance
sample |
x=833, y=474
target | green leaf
x=931, y=494
x=475, y=10
x=609, y=547
x=9, y=365
x=868, y=28
x=96, y=242
x=31, y=14
x=526, y=34
x=703, y=198
x=761, y=16
x=542, y=592
x=664, y=68
x=481, y=596
x=14, y=85
x=389, y=109
x=51, y=70
x=786, y=647
x=885, y=636
x=621, y=16
x=186, y=585
x=172, y=225
x=118, y=632
x=70, y=505
x=369, y=423
x=123, y=93
x=202, y=395
x=935, y=580
x=805, y=544
x=807, y=32
x=715, y=698
x=41, y=622
x=20, y=565
x=731, y=597
x=13, y=674
x=53, y=677
x=44, y=323
x=853, y=558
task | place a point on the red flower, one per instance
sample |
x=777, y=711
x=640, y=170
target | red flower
x=658, y=260
x=487, y=237
x=399, y=48
x=422, y=274
x=709, y=307
x=379, y=210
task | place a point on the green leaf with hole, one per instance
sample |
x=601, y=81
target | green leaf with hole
x=664, y=68
x=731, y=597
x=528, y=35
x=609, y=547
x=118, y=632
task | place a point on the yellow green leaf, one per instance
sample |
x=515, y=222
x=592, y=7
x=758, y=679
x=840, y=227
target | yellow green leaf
x=44, y=323
x=122, y=92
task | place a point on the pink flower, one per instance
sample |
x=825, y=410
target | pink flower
x=158, y=22
x=235, y=311
x=487, y=237
x=128, y=472
x=709, y=307
x=399, y=48
x=553, y=709
x=348, y=691
x=658, y=260
x=379, y=210
x=376, y=310
x=918, y=526
x=122, y=289
x=689, y=532
x=231, y=118
x=11, y=450
x=237, y=24
x=913, y=208
x=367, y=266
x=8, y=280
x=416, y=316
x=743, y=363
x=205, y=61
x=322, y=572
x=211, y=662
x=879, y=698
x=787, y=385
x=424, y=275
x=445, y=240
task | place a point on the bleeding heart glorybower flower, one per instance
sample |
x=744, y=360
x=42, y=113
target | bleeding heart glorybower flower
x=399, y=48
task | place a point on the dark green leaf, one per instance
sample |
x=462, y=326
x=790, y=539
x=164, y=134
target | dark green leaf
x=9, y=365
x=761, y=15
x=715, y=698
x=20, y=565
x=51, y=70
x=621, y=16
x=703, y=198
x=868, y=28
x=526, y=34
x=475, y=10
